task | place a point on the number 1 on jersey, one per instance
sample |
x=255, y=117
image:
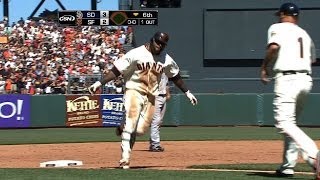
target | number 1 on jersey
x=301, y=46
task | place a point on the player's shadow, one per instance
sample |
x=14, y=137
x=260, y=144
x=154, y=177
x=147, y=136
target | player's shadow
x=147, y=150
x=134, y=167
x=142, y=150
x=266, y=174
x=146, y=167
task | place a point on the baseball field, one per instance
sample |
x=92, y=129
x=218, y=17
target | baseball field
x=190, y=153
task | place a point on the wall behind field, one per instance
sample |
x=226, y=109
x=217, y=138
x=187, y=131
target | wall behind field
x=221, y=43
x=83, y=110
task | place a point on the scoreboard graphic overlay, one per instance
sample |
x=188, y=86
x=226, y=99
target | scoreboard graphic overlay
x=108, y=18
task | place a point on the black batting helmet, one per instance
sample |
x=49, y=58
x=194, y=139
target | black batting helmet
x=160, y=37
x=289, y=9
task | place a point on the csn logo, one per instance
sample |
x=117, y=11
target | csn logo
x=66, y=18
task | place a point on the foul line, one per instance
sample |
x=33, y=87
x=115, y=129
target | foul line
x=217, y=170
x=246, y=170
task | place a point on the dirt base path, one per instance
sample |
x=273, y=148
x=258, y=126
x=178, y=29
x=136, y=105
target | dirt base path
x=177, y=155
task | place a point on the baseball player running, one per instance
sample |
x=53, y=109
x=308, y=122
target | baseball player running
x=160, y=109
x=142, y=68
x=293, y=51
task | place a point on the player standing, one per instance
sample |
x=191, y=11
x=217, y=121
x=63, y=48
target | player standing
x=293, y=51
x=160, y=109
x=142, y=68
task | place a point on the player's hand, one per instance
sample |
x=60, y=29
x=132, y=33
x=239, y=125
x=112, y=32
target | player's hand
x=264, y=77
x=93, y=88
x=191, y=97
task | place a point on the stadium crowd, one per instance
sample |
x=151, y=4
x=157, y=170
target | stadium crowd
x=40, y=57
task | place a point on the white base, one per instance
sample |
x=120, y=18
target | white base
x=61, y=163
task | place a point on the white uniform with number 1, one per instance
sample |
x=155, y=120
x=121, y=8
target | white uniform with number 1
x=295, y=55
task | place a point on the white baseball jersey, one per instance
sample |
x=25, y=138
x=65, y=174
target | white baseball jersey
x=297, y=50
x=142, y=70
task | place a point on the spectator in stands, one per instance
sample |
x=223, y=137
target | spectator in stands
x=8, y=83
x=2, y=85
x=41, y=57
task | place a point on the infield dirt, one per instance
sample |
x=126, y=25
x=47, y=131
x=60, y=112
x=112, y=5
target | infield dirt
x=177, y=154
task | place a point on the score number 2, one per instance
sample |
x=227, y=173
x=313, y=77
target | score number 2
x=301, y=46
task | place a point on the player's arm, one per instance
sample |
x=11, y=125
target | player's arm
x=168, y=94
x=120, y=67
x=271, y=54
x=177, y=80
x=112, y=74
x=172, y=72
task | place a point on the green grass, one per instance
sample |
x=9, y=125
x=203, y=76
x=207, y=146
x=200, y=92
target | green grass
x=116, y=174
x=302, y=167
x=72, y=135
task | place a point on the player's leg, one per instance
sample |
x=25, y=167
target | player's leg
x=291, y=149
x=290, y=157
x=284, y=113
x=285, y=101
x=313, y=160
x=146, y=116
x=310, y=154
x=160, y=107
x=306, y=144
x=133, y=102
x=154, y=136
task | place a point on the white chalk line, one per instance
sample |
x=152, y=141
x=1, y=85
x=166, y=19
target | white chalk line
x=247, y=170
x=217, y=170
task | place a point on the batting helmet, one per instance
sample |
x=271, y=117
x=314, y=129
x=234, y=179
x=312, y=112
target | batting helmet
x=160, y=37
x=288, y=9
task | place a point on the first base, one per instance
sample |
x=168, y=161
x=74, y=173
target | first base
x=61, y=163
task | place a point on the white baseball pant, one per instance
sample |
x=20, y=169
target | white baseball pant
x=139, y=111
x=160, y=109
x=290, y=94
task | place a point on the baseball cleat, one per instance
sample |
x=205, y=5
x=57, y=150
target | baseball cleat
x=156, y=149
x=317, y=166
x=284, y=173
x=124, y=164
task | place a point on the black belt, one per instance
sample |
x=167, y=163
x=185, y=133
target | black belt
x=162, y=95
x=293, y=72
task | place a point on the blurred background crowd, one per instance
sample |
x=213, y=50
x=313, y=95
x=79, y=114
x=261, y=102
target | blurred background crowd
x=42, y=57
